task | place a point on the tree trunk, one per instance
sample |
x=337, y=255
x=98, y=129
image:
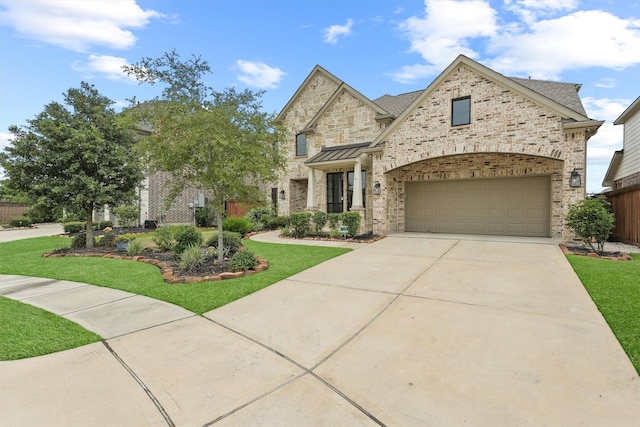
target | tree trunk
x=89, y=213
x=220, y=237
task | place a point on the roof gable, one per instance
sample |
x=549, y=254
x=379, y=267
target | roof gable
x=516, y=86
x=316, y=70
x=630, y=111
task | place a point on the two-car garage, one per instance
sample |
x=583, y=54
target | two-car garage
x=501, y=206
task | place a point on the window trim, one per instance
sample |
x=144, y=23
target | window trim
x=306, y=150
x=453, y=103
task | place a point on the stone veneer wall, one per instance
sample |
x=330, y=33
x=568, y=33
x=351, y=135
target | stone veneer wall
x=179, y=211
x=502, y=121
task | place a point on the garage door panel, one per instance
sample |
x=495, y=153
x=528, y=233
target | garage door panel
x=509, y=206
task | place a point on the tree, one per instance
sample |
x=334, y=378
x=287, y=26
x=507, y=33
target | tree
x=220, y=142
x=591, y=219
x=77, y=156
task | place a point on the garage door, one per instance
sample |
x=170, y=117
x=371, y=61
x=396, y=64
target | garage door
x=509, y=206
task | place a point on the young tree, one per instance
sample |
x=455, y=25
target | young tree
x=220, y=142
x=591, y=219
x=77, y=156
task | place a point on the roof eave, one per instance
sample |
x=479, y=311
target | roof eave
x=631, y=110
x=613, y=168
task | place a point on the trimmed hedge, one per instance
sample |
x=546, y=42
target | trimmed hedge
x=20, y=221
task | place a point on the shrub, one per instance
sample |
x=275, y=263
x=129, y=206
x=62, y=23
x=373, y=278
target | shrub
x=101, y=225
x=74, y=227
x=192, y=257
x=127, y=215
x=205, y=216
x=20, y=221
x=591, y=219
x=352, y=221
x=80, y=241
x=242, y=261
x=276, y=222
x=239, y=225
x=126, y=237
x=231, y=240
x=320, y=219
x=69, y=218
x=185, y=236
x=259, y=217
x=298, y=224
x=108, y=239
x=164, y=239
x=134, y=247
x=334, y=220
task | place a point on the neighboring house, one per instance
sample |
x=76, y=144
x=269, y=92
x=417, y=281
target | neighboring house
x=623, y=177
x=475, y=152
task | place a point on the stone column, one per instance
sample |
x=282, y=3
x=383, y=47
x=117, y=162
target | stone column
x=311, y=191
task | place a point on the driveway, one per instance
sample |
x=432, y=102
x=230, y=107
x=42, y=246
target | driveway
x=411, y=330
x=39, y=230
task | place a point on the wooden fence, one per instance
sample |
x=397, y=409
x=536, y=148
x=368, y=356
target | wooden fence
x=625, y=204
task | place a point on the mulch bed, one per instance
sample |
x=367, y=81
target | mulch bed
x=584, y=251
x=166, y=262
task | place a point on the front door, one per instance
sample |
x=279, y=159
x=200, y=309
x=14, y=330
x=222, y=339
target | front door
x=334, y=192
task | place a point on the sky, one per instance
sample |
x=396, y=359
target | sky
x=376, y=46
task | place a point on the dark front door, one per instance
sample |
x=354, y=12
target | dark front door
x=334, y=192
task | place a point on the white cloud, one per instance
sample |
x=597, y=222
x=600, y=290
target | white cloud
x=331, y=34
x=530, y=10
x=259, y=74
x=579, y=40
x=601, y=147
x=444, y=33
x=77, y=25
x=108, y=66
x=4, y=139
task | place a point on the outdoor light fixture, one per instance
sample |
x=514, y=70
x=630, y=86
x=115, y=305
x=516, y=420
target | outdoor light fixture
x=376, y=188
x=282, y=195
x=575, y=180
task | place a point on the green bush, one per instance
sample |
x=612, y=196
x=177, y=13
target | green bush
x=20, y=221
x=299, y=223
x=108, y=239
x=591, y=219
x=231, y=240
x=276, y=222
x=334, y=221
x=352, y=221
x=238, y=224
x=164, y=238
x=242, y=261
x=69, y=218
x=80, y=241
x=101, y=225
x=205, y=217
x=134, y=247
x=192, y=257
x=185, y=236
x=259, y=217
x=74, y=227
x=127, y=215
x=320, y=219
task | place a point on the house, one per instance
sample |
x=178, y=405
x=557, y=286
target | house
x=623, y=177
x=475, y=152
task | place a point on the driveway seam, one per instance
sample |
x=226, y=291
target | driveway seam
x=141, y=383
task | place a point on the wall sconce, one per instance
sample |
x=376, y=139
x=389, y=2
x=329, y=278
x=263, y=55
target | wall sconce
x=376, y=189
x=282, y=195
x=575, y=180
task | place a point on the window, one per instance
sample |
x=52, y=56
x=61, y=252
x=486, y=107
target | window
x=461, y=111
x=334, y=192
x=301, y=144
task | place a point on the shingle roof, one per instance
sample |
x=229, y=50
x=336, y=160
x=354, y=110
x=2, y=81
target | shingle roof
x=339, y=152
x=396, y=104
x=560, y=92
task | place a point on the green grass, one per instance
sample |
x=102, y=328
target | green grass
x=615, y=288
x=23, y=257
x=28, y=331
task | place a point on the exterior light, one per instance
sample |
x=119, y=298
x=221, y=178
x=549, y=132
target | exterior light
x=575, y=180
x=282, y=195
x=376, y=188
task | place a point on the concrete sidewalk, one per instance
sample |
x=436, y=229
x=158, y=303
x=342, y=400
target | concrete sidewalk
x=411, y=330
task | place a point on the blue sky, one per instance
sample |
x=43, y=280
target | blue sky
x=376, y=46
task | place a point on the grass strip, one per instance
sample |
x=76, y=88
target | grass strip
x=615, y=288
x=28, y=331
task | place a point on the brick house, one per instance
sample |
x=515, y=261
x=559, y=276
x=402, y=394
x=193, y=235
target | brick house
x=475, y=152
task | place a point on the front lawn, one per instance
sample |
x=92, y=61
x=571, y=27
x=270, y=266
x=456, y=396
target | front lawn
x=615, y=288
x=23, y=257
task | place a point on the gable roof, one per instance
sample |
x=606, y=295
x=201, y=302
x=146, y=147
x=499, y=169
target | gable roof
x=396, y=104
x=316, y=70
x=560, y=92
x=338, y=153
x=614, y=165
x=630, y=111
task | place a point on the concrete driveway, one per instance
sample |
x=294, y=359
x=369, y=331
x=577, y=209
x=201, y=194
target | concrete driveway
x=411, y=330
x=39, y=230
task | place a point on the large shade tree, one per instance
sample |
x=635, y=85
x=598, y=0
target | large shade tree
x=77, y=155
x=218, y=141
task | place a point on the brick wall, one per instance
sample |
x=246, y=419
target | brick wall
x=9, y=210
x=502, y=121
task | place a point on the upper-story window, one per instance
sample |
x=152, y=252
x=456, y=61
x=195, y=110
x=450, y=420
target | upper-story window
x=461, y=111
x=301, y=144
